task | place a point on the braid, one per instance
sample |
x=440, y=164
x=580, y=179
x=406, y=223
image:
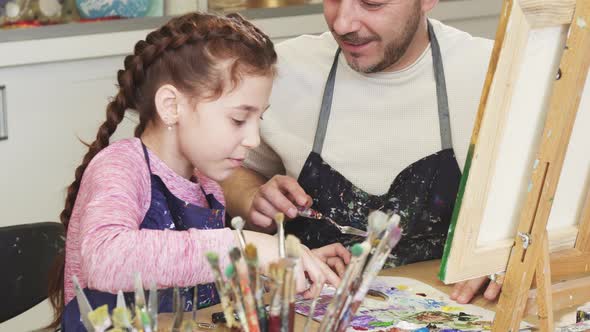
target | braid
x=114, y=115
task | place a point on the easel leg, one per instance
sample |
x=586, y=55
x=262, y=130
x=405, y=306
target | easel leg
x=543, y=279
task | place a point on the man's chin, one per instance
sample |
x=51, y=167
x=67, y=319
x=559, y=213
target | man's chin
x=361, y=64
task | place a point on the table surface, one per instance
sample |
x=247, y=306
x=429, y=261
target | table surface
x=423, y=271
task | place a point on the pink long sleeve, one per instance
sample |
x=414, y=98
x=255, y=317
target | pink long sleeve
x=104, y=245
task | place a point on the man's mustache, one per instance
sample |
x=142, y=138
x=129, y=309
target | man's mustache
x=354, y=39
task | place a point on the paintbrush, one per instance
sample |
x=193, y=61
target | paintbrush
x=293, y=251
x=121, y=315
x=139, y=293
x=311, y=311
x=178, y=308
x=377, y=223
x=334, y=308
x=238, y=224
x=280, y=219
x=195, y=301
x=121, y=300
x=100, y=319
x=274, y=323
x=83, y=304
x=251, y=256
x=230, y=274
x=122, y=319
x=354, y=281
x=141, y=315
x=244, y=285
x=391, y=238
x=228, y=311
x=152, y=308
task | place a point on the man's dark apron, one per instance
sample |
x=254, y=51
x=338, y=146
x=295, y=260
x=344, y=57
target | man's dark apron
x=423, y=194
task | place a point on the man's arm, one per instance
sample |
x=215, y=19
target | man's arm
x=239, y=190
x=249, y=195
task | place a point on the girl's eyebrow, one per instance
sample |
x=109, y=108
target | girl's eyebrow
x=250, y=108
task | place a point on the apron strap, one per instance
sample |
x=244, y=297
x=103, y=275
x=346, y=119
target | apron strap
x=320, y=133
x=147, y=157
x=441, y=98
x=446, y=137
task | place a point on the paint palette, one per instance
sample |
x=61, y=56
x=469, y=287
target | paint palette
x=408, y=304
x=578, y=327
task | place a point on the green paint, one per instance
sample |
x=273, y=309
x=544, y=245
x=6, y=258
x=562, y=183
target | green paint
x=380, y=324
x=443, y=264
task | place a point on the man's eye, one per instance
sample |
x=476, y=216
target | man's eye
x=372, y=5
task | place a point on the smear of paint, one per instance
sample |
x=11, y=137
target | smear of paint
x=421, y=294
x=530, y=187
x=402, y=287
x=581, y=22
x=536, y=164
x=450, y=308
x=381, y=324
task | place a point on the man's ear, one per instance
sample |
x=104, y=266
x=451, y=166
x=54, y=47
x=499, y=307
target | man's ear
x=427, y=5
x=167, y=99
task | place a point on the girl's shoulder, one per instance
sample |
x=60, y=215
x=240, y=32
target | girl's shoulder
x=121, y=159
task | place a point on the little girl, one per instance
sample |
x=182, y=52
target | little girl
x=200, y=85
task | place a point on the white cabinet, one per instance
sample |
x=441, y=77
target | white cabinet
x=48, y=107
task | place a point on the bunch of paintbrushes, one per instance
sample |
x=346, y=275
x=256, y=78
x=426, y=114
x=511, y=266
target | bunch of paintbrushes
x=242, y=290
x=142, y=316
x=367, y=260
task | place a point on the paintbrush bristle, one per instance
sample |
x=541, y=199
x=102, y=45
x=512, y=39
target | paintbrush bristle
x=356, y=250
x=395, y=219
x=230, y=271
x=238, y=223
x=378, y=222
x=292, y=246
x=281, y=266
x=272, y=270
x=213, y=258
x=235, y=254
x=279, y=218
x=366, y=247
x=250, y=252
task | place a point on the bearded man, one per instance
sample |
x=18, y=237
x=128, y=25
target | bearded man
x=377, y=113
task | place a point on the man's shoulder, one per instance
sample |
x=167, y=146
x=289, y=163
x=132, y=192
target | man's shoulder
x=453, y=40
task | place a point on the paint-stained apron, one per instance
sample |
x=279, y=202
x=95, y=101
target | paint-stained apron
x=166, y=211
x=423, y=194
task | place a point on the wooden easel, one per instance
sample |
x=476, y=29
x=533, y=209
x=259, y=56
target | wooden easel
x=530, y=256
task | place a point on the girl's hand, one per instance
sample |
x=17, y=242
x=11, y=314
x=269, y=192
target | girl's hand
x=335, y=256
x=316, y=271
x=310, y=271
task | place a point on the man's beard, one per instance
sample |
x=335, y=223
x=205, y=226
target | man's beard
x=394, y=51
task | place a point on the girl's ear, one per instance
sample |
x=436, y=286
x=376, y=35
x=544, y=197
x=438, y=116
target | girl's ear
x=167, y=100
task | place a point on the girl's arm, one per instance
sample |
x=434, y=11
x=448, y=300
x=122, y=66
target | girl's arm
x=115, y=196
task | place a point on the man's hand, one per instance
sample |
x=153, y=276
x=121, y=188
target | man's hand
x=464, y=291
x=335, y=256
x=279, y=194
